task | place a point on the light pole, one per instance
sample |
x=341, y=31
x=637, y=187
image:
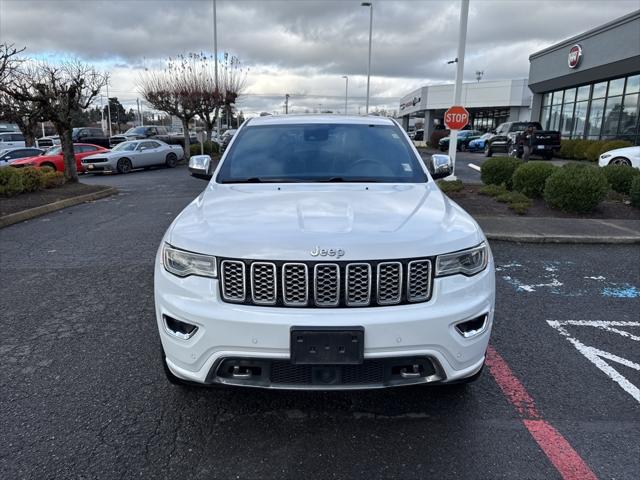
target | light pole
x=346, y=92
x=370, y=5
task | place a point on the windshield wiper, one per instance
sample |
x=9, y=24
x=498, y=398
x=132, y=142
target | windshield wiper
x=349, y=180
x=264, y=180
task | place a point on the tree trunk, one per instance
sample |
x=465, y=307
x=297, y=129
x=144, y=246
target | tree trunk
x=30, y=133
x=187, y=145
x=66, y=142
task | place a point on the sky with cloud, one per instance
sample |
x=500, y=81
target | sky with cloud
x=304, y=47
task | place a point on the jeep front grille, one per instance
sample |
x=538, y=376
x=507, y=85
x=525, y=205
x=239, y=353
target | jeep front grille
x=326, y=284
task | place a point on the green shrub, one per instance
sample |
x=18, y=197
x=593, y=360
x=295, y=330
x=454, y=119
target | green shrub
x=32, y=179
x=10, y=181
x=580, y=149
x=53, y=179
x=576, y=189
x=635, y=192
x=620, y=177
x=520, y=207
x=493, y=190
x=613, y=145
x=499, y=170
x=513, y=197
x=210, y=148
x=530, y=177
x=450, y=187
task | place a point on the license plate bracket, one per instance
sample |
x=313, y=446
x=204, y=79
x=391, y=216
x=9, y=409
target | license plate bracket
x=327, y=345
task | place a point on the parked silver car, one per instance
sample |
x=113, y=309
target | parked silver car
x=126, y=156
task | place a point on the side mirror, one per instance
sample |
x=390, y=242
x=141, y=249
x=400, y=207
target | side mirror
x=200, y=166
x=440, y=166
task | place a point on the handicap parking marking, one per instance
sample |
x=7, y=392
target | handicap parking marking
x=559, y=278
x=600, y=358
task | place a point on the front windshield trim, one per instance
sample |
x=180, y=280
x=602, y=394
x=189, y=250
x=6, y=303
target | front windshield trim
x=408, y=168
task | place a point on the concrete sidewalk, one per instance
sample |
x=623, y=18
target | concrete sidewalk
x=560, y=230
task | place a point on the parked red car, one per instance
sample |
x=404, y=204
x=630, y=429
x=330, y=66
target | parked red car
x=53, y=157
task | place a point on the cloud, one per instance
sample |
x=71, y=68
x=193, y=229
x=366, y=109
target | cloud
x=303, y=47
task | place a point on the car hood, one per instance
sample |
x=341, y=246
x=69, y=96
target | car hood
x=622, y=151
x=287, y=221
x=104, y=154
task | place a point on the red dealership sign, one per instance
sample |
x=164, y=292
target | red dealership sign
x=456, y=118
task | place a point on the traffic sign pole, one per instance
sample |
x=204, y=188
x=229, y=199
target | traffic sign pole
x=457, y=89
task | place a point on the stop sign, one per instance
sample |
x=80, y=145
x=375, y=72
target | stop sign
x=456, y=118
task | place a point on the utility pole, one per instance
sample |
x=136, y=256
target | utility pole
x=139, y=114
x=215, y=54
x=457, y=89
x=370, y=5
x=286, y=104
x=346, y=92
x=109, y=109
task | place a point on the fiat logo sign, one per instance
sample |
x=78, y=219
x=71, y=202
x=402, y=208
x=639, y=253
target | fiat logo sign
x=575, y=55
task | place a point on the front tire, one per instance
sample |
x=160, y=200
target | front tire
x=124, y=166
x=49, y=165
x=512, y=150
x=547, y=155
x=620, y=161
x=487, y=150
x=172, y=160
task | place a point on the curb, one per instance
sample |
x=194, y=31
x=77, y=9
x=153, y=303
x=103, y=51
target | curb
x=55, y=206
x=568, y=239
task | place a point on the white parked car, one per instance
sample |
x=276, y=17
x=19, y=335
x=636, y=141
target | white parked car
x=126, y=156
x=11, y=139
x=621, y=156
x=323, y=255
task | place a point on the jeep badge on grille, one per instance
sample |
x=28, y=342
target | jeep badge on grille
x=327, y=252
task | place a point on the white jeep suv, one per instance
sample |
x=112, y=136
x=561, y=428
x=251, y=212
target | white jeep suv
x=322, y=255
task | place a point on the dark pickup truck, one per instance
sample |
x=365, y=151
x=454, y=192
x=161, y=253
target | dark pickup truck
x=506, y=139
x=152, y=131
x=94, y=136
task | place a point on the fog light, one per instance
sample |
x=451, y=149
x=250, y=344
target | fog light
x=179, y=329
x=471, y=328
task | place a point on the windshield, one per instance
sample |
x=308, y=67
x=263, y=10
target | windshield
x=136, y=131
x=321, y=153
x=125, y=147
x=53, y=151
x=519, y=126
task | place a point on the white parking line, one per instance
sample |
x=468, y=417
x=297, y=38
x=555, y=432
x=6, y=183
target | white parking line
x=475, y=167
x=597, y=356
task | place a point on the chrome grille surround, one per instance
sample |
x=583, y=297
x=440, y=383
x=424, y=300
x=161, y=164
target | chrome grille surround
x=326, y=284
x=339, y=284
x=419, y=280
x=389, y=280
x=263, y=283
x=233, y=283
x=358, y=284
x=295, y=284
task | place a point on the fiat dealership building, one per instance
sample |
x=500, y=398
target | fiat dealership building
x=588, y=86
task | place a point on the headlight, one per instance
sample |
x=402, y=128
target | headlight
x=467, y=262
x=605, y=155
x=183, y=263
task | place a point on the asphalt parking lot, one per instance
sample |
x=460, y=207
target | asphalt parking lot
x=83, y=394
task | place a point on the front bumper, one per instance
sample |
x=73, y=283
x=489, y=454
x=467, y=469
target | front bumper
x=230, y=331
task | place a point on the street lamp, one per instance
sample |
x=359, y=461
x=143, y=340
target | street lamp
x=346, y=92
x=370, y=5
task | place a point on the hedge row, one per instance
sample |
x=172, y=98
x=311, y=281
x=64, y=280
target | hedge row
x=210, y=148
x=573, y=188
x=20, y=180
x=589, y=150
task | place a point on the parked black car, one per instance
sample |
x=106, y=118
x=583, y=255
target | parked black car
x=543, y=142
x=94, y=136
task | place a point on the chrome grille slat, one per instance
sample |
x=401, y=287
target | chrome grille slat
x=419, y=280
x=389, y=283
x=263, y=283
x=233, y=281
x=358, y=284
x=295, y=284
x=326, y=284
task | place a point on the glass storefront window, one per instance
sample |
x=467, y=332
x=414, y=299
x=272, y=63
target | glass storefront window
x=580, y=118
x=570, y=95
x=567, y=119
x=612, y=115
x=583, y=93
x=599, y=90
x=616, y=87
x=546, y=99
x=554, y=120
x=544, y=118
x=595, y=118
x=557, y=98
x=633, y=84
x=629, y=116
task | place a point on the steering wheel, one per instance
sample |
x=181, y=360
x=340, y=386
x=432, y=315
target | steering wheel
x=365, y=161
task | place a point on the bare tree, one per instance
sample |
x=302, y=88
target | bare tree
x=57, y=90
x=9, y=61
x=25, y=114
x=233, y=82
x=173, y=90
